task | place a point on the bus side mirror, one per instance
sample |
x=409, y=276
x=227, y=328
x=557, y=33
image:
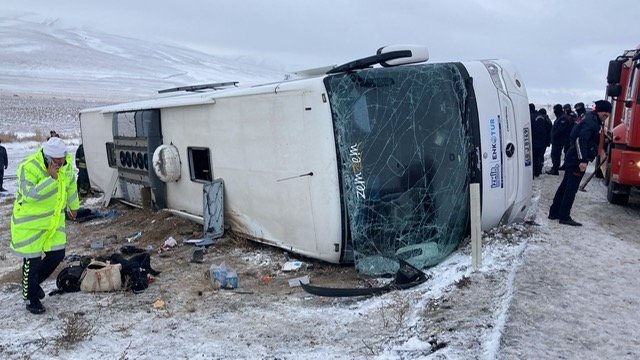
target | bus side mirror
x=614, y=90
x=613, y=75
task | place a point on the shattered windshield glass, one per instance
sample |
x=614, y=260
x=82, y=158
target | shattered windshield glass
x=403, y=148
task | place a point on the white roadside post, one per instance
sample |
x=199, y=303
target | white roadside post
x=476, y=232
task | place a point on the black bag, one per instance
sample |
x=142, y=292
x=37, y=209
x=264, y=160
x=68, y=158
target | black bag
x=134, y=271
x=68, y=280
x=138, y=280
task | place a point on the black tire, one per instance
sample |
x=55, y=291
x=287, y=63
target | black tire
x=618, y=194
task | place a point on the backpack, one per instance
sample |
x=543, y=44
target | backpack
x=68, y=280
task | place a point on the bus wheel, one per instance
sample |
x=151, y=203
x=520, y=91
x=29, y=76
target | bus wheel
x=617, y=194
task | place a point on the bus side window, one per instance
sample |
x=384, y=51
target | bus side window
x=200, y=164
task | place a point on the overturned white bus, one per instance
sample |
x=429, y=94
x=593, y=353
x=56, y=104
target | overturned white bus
x=359, y=163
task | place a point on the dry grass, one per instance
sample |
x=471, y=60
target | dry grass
x=395, y=312
x=393, y=315
x=463, y=283
x=39, y=136
x=6, y=137
x=76, y=330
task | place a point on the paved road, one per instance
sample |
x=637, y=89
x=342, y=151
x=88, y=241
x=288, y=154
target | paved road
x=577, y=291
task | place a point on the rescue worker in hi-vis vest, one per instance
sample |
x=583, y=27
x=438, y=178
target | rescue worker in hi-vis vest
x=46, y=190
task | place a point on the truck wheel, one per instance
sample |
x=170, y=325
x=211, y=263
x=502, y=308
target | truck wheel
x=617, y=194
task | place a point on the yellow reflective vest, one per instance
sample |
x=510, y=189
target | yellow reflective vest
x=38, y=221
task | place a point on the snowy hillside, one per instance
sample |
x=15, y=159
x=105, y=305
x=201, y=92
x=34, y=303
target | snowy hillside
x=50, y=57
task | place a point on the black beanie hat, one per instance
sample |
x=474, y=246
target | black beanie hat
x=557, y=108
x=602, y=106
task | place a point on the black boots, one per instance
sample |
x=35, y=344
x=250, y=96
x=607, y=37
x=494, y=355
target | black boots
x=570, y=222
x=35, y=307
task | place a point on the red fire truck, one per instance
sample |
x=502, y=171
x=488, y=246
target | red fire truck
x=620, y=138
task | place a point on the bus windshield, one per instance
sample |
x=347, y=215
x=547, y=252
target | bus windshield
x=404, y=146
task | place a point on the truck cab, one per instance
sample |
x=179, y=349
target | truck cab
x=620, y=138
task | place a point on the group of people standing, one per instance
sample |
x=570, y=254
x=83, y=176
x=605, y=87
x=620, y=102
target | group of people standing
x=556, y=134
x=576, y=134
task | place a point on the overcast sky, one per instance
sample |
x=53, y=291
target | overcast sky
x=562, y=48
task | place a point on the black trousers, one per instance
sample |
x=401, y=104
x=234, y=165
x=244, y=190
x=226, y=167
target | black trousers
x=556, y=153
x=566, y=193
x=83, y=181
x=1, y=177
x=37, y=270
x=538, y=159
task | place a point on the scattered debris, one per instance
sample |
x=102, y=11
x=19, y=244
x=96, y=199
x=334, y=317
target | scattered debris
x=71, y=258
x=134, y=237
x=197, y=256
x=85, y=214
x=105, y=302
x=159, y=304
x=232, y=279
x=97, y=244
x=407, y=276
x=168, y=244
x=223, y=277
x=206, y=242
x=192, y=241
x=293, y=265
x=296, y=282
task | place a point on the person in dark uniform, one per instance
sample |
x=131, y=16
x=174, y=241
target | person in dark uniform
x=83, y=175
x=573, y=120
x=541, y=138
x=4, y=163
x=559, y=136
x=580, y=112
x=584, y=148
